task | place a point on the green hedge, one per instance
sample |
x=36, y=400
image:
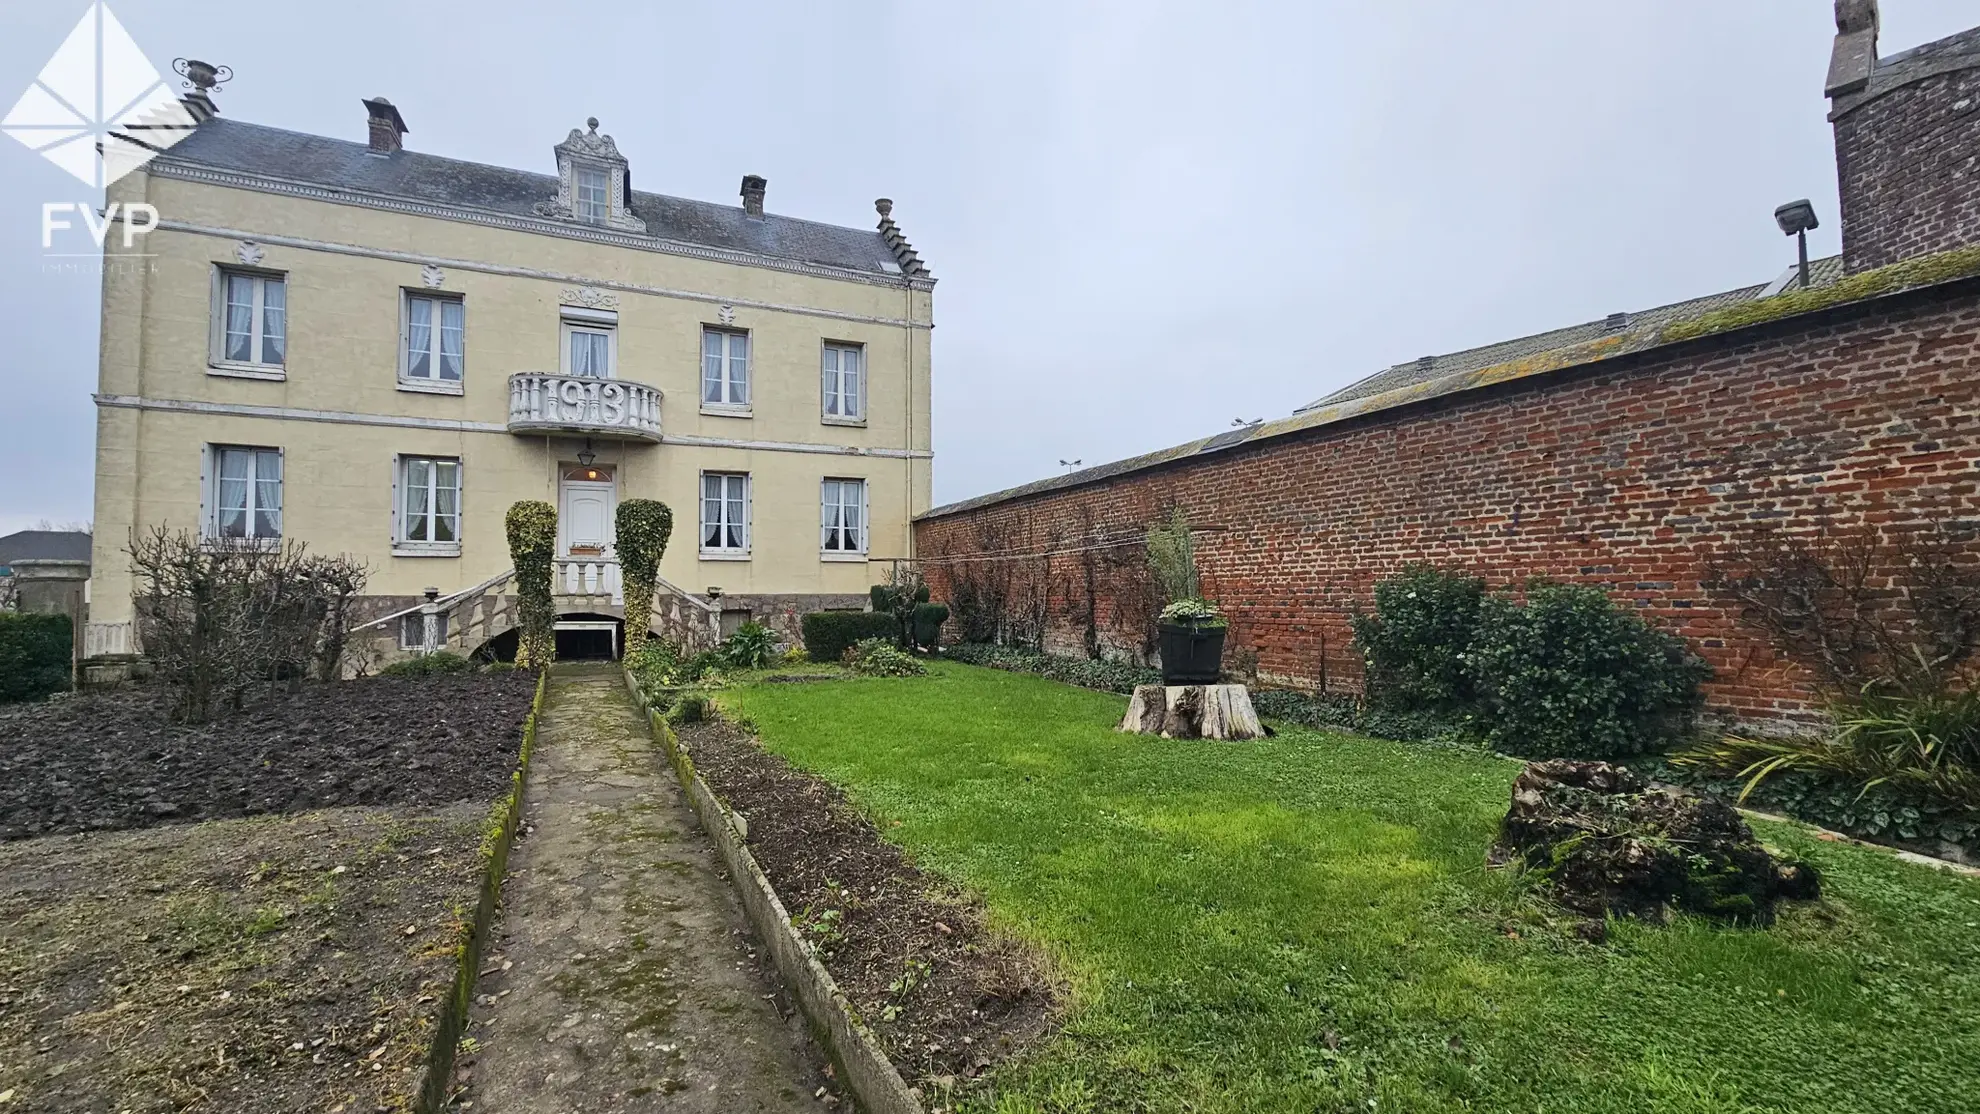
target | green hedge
x=34, y=655
x=827, y=634
x=928, y=620
x=1561, y=671
x=1107, y=676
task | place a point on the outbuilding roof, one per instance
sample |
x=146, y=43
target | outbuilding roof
x=1541, y=354
x=44, y=545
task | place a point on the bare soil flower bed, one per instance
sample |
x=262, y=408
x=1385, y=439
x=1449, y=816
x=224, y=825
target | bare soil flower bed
x=111, y=760
x=271, y=964
x=947, y=997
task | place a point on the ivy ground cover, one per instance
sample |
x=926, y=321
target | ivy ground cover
x=1306, y=923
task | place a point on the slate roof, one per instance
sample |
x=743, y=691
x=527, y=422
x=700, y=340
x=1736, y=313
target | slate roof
x=44, y=545
x=1432, y=376
x=226, y=144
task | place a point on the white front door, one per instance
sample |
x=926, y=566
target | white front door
x=584, y=520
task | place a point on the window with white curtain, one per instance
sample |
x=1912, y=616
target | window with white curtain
x=724, y=368
x=430, y=503
x=251, y=321
x=725, y=512
x=435, y=329
x=590, y=349
x=842, y=516
x=594, y=197
x=845, y=382
x=244, y=498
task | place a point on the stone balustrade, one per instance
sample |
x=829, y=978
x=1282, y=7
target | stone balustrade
x=608, y=408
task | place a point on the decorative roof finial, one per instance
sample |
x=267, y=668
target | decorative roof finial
x=591, y=122
x=202, y=76
x=884, y=206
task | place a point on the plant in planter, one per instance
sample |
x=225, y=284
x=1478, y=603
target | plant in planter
x=1190, y=630
x=1192, y=642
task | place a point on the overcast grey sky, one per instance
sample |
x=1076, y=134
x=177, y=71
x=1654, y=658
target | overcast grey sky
x=1148, y=218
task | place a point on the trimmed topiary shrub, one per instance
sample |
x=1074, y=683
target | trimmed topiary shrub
x=1414, y=643
x=641, y=528
x=1568, y=674
x=928, y=620
x=827, y=634
x=436, y=664
x=904, y=593
x=532, y=528
x=34, y=656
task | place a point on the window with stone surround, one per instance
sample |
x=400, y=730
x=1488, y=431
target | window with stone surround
x=250, y=323
x=725, y=514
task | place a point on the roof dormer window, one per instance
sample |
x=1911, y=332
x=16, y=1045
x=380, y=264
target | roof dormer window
x=593, y=182
x=594, y=202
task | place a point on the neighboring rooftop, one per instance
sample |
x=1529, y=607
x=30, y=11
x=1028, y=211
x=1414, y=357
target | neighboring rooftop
x=44, y=545
x=1423, y=369
x=339, y=165
x=1541, y=353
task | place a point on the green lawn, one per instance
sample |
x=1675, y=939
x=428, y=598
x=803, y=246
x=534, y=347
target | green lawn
x=1305, y=923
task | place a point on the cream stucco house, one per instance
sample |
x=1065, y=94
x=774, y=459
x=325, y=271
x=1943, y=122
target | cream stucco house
x=376, y=351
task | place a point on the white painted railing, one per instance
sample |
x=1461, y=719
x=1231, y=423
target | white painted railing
x=540, y=403
x=587, y=576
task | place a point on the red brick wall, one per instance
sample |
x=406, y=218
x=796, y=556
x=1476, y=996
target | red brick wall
x=1908, y=164
x=1624, y=475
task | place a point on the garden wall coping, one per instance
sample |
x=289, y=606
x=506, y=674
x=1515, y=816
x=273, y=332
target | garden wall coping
x=862, y=1065
x=497, y=840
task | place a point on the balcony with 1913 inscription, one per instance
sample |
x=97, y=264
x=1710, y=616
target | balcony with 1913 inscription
x=612, y=409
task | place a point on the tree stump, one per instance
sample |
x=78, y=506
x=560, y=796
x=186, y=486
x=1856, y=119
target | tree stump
x=1193, y=712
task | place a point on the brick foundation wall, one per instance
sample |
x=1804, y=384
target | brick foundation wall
x=1908, y=164
x=1626, y=475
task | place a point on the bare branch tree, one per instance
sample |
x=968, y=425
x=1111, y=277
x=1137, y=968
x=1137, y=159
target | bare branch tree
x=1858, y=606
x=219, y=615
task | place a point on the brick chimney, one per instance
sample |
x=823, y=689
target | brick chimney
x=1907, y=141
x=752, y=194
x=387, y=126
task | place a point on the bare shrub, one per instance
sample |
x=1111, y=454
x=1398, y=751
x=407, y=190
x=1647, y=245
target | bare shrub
x=220, y=615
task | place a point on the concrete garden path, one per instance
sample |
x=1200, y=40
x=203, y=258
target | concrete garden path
x=623, y=976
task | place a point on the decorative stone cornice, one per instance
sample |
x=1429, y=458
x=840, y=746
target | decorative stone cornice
x=456, y=425
x=571, y=230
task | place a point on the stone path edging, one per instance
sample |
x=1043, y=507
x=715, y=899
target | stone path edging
x=452, y=1022
x=863, y=1067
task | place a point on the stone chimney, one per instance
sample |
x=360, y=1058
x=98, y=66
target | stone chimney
x=1855, y=53
x=387, y=126
x=752, y=194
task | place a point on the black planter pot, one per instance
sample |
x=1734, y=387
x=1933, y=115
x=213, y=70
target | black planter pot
x=1191, y=655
